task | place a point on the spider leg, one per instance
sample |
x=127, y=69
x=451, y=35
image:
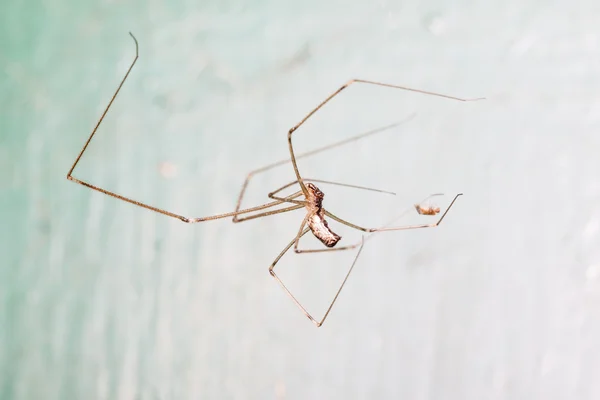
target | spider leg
x=393, y=228
x=139, y=203
x=301, y=232
x=338, y=91
x=312, y=152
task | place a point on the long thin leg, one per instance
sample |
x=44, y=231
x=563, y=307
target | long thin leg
x=393, y=228
x=322, y=250
x=347, y=247
x=301, y=233
x=331, y=96
x=266, y=214
x=298, y=203
x=384, y=228
x=288, y=199
x=278, y=211
x=138, y=203
x=313, y=152
x=272, y=194
x=349, y=186
x=237, y=211
x=137, y=55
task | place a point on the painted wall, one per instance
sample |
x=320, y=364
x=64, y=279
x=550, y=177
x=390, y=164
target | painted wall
x=103, y=300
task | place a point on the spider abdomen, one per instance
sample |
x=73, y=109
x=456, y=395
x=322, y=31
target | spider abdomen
x=316, y=219
x=319, y=227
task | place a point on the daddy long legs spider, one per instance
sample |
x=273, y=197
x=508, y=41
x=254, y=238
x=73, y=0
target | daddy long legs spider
x=315, y=218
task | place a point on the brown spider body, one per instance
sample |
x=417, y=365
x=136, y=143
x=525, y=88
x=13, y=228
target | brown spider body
x=316, y=217
x=427, y=210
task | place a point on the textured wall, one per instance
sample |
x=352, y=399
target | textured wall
x=103, y=300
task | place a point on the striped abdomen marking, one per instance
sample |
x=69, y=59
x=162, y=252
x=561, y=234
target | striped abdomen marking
x=318, y=226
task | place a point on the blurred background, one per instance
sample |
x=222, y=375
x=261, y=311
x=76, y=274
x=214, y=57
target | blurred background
x=100, y=299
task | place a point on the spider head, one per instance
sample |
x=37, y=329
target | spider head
x=315, y=191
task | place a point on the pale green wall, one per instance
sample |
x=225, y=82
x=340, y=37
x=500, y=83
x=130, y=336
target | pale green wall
x=102, y=300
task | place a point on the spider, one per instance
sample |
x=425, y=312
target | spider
x=426, y=208
x=309, y=197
